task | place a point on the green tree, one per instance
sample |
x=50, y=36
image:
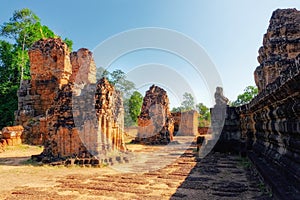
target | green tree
x=117, y=76
x=101, y=72
x=135, y=105
x=7, y=71
x=188, y=102
x=119, y=80
x=24, y=28
x=8, y=103
x=203, y=111
x=177, y=109
x=249, y=93
x=204, y=115
x=18, y=34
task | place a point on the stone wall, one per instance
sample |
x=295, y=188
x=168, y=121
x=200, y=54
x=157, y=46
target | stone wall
x=63, y=108
x=185, y=123
x=271, y=121
x=86, y=125
x=155, y=123
x=204, y=130
x=230, y=137
x=225, y=126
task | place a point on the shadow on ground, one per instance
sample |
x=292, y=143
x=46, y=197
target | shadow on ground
x=15, y=161
x=221, y=176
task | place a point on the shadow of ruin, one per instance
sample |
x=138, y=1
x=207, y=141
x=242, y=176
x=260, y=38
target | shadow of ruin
x=80, y=120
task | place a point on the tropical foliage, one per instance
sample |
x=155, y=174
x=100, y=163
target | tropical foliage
x=188, y=104
x=249, y=93
x=17, y=36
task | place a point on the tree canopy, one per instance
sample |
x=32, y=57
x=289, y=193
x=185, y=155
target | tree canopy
x=188, y=104
x=17, y=36
x=204, y=115
x=249, y=93
x=135, y=105
x=22, y=30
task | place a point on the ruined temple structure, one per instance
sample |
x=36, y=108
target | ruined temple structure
x=63, y=108
x=155, y=123
x=280, y=47
x=218, y=112
x=269, y=126
x=225, y=130
x=185, y=123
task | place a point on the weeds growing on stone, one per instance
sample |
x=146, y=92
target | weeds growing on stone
x=245, y=162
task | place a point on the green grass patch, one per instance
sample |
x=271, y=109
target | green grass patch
x=245, y=162
x=22, y=147
x=31, y=162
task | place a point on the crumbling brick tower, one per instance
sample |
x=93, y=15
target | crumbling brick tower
x=155, y=123
x=63, y=108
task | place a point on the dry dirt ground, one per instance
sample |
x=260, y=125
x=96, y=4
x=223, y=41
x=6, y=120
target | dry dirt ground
x=217, y=176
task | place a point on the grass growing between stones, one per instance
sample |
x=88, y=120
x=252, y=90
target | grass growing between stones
x=244, y=162
x=31, y=163
x=22, y=147
x=247, y=164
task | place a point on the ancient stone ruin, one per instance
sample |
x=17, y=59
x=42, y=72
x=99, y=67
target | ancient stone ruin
x=218, y=112
x=63, y=108
x=155, y=123
x=271, y=121
x=185, y=123
x=280, y=47
x=268, y=127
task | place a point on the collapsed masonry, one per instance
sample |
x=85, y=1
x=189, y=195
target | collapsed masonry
x=63, y=108
x=155, y=123
x=10, y=136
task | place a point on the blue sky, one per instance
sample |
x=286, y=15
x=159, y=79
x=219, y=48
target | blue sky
x=230, y=31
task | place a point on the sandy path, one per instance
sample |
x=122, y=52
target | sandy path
x=218, y=176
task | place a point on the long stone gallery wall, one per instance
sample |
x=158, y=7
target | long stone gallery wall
x=270, y=123
x=268, y=128
x=63, y=108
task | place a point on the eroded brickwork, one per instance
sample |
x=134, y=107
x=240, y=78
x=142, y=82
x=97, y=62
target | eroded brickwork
x=271, y=121
x=63, y=108
x=155, y=123
x=280, y=46
x=50, y=69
